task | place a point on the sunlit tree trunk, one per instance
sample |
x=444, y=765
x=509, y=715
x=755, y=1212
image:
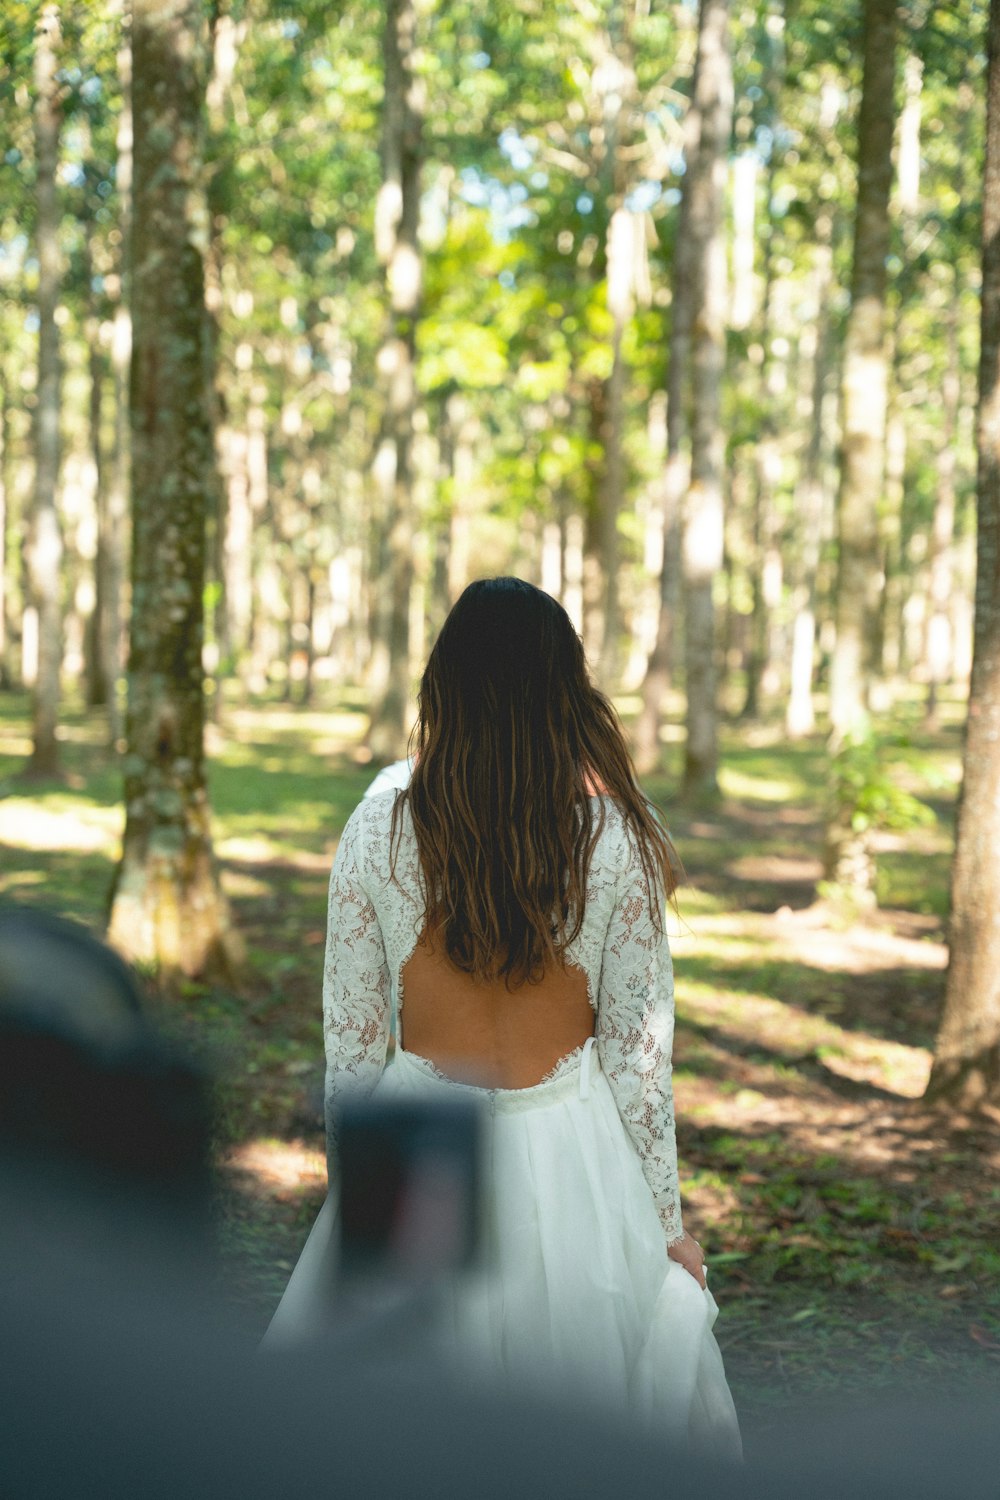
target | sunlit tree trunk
x=660, y=668
x=45, y=546
x=703, y=505
x=862, y=469
x=397, y=218
x=966, y=1068
x=167, y=906
x=615, y=86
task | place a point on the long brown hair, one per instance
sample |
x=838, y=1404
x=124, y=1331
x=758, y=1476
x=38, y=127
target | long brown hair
x=511, y=738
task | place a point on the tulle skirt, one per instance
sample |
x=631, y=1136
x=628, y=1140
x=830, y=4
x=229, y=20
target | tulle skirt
x=577, y=1293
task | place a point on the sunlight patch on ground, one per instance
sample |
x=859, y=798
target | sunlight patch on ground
x=805, y=937
x=87, y=829
x=236, y=883
x=279, y=1169
x=775, y=867
x=736, y=783
x=12, y=743
x=794, y=1035
x=341, y=726
x=258, y=849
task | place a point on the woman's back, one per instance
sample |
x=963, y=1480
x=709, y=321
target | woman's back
x=488, y=1032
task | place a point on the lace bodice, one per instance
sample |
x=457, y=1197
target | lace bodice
x=373, y=925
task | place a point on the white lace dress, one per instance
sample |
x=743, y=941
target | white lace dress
x=583, y=1166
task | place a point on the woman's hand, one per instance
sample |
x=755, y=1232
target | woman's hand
x=689, y=1254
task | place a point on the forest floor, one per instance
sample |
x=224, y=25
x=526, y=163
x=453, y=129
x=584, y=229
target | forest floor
x=851, y=1233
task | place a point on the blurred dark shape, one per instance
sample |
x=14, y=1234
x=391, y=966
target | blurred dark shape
x=410, y=1188
x=89, y=1090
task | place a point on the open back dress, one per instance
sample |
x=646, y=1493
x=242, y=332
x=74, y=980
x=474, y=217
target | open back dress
x=582, y=1173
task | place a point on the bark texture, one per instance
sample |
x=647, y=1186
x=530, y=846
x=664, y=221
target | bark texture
x=45, y=544
x=397, y=217
x=167, y=906
x=966, y=1069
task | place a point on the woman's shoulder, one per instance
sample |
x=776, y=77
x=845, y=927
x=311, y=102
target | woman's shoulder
x=368, y=828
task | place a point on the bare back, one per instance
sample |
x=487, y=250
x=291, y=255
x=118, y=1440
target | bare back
x=488, y=1034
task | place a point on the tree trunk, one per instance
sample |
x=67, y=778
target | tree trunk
x=966, y=1069
x=800, y=718
x=766, y=462
x=703, y=509
x=116, y=499
x=6, y=672
x=611, y=496
x=938, y=648
x=660, y=668
x=167, y=906
x=864, y=382
x=847, y=865
x=45, y=550
x=396, y=233
x=96, y=674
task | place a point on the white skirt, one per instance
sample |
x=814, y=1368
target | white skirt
x=578, y=1293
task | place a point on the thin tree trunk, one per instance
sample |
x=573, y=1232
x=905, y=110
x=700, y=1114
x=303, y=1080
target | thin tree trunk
x=800, y=718
x=864, y=382
x=703, y=508
x=6, y=672
x=119, y=460
x=167, y=906
x=765, y=460
x=938, y=638
x=45, y=549
x=966, y=1070
x=397, y=244
x=96, y=675
x=676, y=475
x=612, y=489
x=848, y=863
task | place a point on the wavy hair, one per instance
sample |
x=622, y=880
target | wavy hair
x=511, y=740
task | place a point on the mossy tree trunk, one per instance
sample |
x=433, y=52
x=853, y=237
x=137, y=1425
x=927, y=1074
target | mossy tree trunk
x=966, y=1069
x=167, y=906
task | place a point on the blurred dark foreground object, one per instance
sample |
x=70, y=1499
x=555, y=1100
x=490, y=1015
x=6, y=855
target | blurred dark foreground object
x=123, y=1377
x=87, y=1085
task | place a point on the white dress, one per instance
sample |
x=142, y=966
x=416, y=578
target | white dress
x=583, y=1181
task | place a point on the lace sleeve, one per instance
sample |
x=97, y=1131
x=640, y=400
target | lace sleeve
x=635, y=1033
x=356, y=1001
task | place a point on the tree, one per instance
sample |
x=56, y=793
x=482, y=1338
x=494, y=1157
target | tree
x=704, y=181
x=167, y=905
x=865, y=377
x=397, y=217
x=966, y=1068
x=45, y=550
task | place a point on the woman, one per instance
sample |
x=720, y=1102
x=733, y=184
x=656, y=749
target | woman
x=514, y=894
